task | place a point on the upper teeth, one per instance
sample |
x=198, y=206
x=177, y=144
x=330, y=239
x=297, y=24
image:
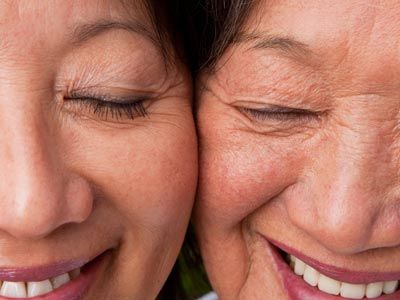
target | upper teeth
x=334, y=287
x=33, y=289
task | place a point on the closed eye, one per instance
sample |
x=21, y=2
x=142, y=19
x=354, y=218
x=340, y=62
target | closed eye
x=279, y=113
x=109, y=107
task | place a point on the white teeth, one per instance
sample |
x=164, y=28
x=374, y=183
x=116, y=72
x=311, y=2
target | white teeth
x=299, y=267
x=390, y=286
x=311, y=276
x=344, y=289
x=13, y=289
x=60, y=280
x=34, y=289
x=39, y=288
x=352, y=291
x=328, y=285
x=374, y=289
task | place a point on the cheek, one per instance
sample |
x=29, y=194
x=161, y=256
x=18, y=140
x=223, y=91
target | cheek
x=147, y=175
x=241, y=172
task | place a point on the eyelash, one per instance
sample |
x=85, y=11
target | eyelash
x=283, y=114
x=109, y=107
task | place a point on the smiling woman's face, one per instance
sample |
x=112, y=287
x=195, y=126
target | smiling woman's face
x=98, y=151
x=300, y=143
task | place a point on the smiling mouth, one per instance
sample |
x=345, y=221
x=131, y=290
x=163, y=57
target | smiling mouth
x=30, y=289
x=307, y=278
x=334, y=287
x=63, y=281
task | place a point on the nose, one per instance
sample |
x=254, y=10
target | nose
x=349, y=197
x=38, y=193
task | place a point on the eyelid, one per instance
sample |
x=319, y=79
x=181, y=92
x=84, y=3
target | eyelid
x=106, y=97
x=282, y=109
x=281, y=113
x=105, y=107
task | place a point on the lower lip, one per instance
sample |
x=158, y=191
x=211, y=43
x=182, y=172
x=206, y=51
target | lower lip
x=298, y=289
x=78, y=287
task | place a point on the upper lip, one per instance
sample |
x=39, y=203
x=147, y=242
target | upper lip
x=39, y=273
x=43, y=272
x=339, y=274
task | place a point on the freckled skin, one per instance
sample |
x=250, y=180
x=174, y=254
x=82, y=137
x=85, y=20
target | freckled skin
x=75, y=183
x=327, y=186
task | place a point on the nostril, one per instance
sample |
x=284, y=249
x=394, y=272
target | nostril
x=39, y=192
x=79, y=202
x=339, y=229
x=22, y=229
x=39, y=207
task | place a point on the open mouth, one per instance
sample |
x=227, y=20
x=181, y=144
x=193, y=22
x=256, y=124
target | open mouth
x=36, y=284
x=306, y=279
x=334, y=287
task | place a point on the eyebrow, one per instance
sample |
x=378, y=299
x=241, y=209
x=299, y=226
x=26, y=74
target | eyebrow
x=285, y=45
x=84, y=32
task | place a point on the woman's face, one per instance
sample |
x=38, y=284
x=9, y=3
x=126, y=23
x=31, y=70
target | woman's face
x=300, y=132
x=98, y=151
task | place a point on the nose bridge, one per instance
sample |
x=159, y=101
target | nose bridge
x=352, y=190
x=33, y=181
x=363, y=164
x=30, y=183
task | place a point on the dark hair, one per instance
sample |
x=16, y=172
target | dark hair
x=173, y=26
x=201, y=30
x=216, y=24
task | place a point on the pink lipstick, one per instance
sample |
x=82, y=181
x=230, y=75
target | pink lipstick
x=298, y=289
x=339, y=274
x=78, y=276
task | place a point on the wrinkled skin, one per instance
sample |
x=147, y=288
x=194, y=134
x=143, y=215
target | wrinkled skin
x=75, y=182
x=323, y=180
